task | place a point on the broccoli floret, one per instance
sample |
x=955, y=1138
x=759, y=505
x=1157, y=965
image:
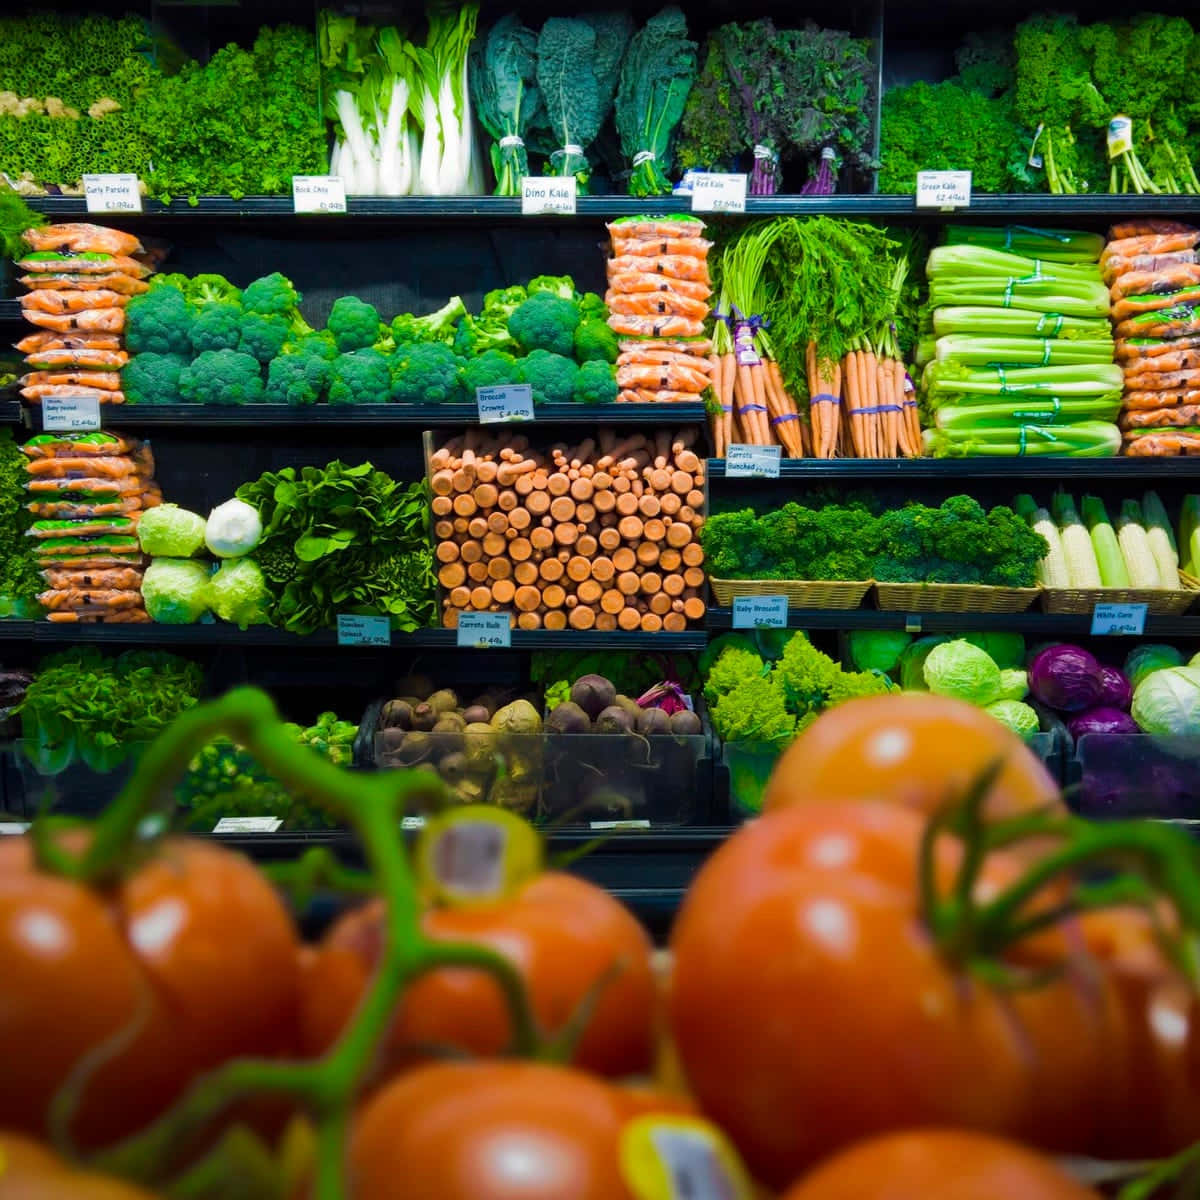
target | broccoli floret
x=152, y=378
x=435, y=327
x=592, y=307
x=171, y=279
x=159, y=322
x=354, y=324
x=218, y=326
x=732, y=665
x=555, y=285
x=753, y=711
x=594, y=341
x=475, y=336
x=263, y=336
x=499, y=304
x=427, y=373
x=272, y=295
x=595, y=383
x=212, y=289
x=360, y=377
x=545, y=322
x=297, y=379
x=492, y=368
x=222, y=377
x=550, y=376
x=321, y=344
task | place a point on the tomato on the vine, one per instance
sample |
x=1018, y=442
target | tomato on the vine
x=29, y=1171
x=938, y=1164
x=127, y=993
x=567, y=937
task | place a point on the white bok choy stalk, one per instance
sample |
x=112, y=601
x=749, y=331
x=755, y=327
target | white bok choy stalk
x=447, y=147
x=393, y=99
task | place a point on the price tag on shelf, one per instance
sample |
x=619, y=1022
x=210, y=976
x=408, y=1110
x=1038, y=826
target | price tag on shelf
x=318, y=194
x=248, y=825
x=611, y=826
x=112, y=193
x=484, y=630
x=752, y=462
x=943, y=189
x=758, y=612
x=548, y=195
x=716, y=193
x=355, y=630
x=506, y=402
x=13, y=827
x=75, y=414
x=412, y=822
x=1119, y=620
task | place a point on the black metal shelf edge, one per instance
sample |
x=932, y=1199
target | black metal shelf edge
x=10, y=412
x=1148, y=469
x=1048, y=624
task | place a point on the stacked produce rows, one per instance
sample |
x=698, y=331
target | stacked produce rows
x=601, y=535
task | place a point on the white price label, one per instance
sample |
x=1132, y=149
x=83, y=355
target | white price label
x=355, y=630
x=485, y=630
x=75, y=414
x=543, y=195
x=717, y=193
x=468, y=857
x=506, y=402
x=112, y=193
x=412, y=822
x=248, y=825
x=752, y=462
x=1119, y=620
x=318, y=194
x=757, y=612
x=609, y=826
x=943, y=189
x=13, y=827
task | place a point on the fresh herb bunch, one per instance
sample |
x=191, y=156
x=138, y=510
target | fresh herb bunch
x=20, y=580
x=359, y=540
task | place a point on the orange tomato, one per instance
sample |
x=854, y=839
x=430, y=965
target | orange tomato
x=938, y=1164
x=914, y=749
x=562, y=933
x=189, y=961
x=29, y=1171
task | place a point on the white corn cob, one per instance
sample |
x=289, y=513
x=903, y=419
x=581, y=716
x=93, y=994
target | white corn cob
x=1161, y=537
x=1135, y=547
x=1082, y=567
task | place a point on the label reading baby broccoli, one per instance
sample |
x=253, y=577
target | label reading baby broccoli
x=485, y=630
x=355, y=630
x=548, y=195
x=752, y=462
x=506, y=402
x=943, y=189
x=70, y=414
x=112, y=193
x=318, y=194
x=1119, y=620
x=716, y=193
x=760, y=612
x=248, y=825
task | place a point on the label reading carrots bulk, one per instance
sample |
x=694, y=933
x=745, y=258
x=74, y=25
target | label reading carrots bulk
x=680, y=1158
x=760, y=612
x=485, y=630
x=507, y=402
x=943, y=189
x=112, y=193
x=548, y=195
x=318, y=194
x=70, y=414
x=752, y=462
x=1119, y=620
x=716, y=193
x=356, y=630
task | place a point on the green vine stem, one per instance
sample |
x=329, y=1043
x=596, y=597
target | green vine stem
x=326, y=1087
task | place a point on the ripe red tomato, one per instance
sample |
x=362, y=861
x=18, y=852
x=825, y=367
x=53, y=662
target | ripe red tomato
x=938, y=1164
x=189, y=961
x=915, y=749
x=29, y=1171
x=562, y=933
x=810, y=1008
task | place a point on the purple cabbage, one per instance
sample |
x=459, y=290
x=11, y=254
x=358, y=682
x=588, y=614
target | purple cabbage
x=1104, y=719
x=1067, y=678
x=1118, y=691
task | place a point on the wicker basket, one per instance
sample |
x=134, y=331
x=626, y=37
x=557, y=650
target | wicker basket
x=827, y=594
x=953, y=597
x=1159, y=602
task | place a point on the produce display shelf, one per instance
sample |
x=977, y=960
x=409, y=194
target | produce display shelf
x=424, y=416
x=1034, y=623
x=1148, y=470
x=10, y=412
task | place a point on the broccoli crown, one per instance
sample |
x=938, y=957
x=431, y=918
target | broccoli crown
x=545, y=322
x=218, y=326
x=297, y=379
x=360, y=377
x=499, y=304
x=427, y=373
x=492, y=368
x=550, y=376
x=222, y=377
x=152, y=378
x=475, y=335
x=592, y=307
x=437, y=326
x=159, y=321
x=212, y=289
x=594, y=341
x=263, y=336
x=272, y=295
x=321, y=344
x=555, y=285
x=595, y=383
x=354, y=323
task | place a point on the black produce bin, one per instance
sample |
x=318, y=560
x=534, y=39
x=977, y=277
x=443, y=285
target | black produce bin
x=1118, y=775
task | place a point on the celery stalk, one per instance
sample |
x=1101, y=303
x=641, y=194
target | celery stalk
x=988, y=321
x=1055, y=245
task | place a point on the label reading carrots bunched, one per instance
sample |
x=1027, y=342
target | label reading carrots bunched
x=112, y=193
x=485, y=630
x=752, y=462
x=717, y=193
x=354, y=629
x=760, y=612
x=943, y=189
x=507, y=402
x=680, y=1158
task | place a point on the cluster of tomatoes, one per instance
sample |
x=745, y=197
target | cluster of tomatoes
x=809, y=1038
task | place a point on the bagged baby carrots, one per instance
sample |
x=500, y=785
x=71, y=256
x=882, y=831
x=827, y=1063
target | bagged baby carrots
x=80, y=237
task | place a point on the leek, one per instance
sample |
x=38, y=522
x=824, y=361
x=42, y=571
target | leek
x=971, y=350
x=1054, y=245
x=1018, y=322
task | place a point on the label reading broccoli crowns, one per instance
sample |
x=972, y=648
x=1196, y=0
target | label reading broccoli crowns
x=752, y=462
x=543, y=195
x=759, y=612
x=318, y=194
x=70, y=414
x=680, y=1158
x=506, y=402
x=112, y=193
x=1119, y=620
x=355, y=630
x=943, y=189
x=484, y=630
x=716, y=193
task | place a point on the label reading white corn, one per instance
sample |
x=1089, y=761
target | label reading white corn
x=1119, y=620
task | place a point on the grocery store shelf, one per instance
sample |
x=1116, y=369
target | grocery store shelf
x=10, y=412
x=10, y=311
x=424, y=416
x=1147, y=469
